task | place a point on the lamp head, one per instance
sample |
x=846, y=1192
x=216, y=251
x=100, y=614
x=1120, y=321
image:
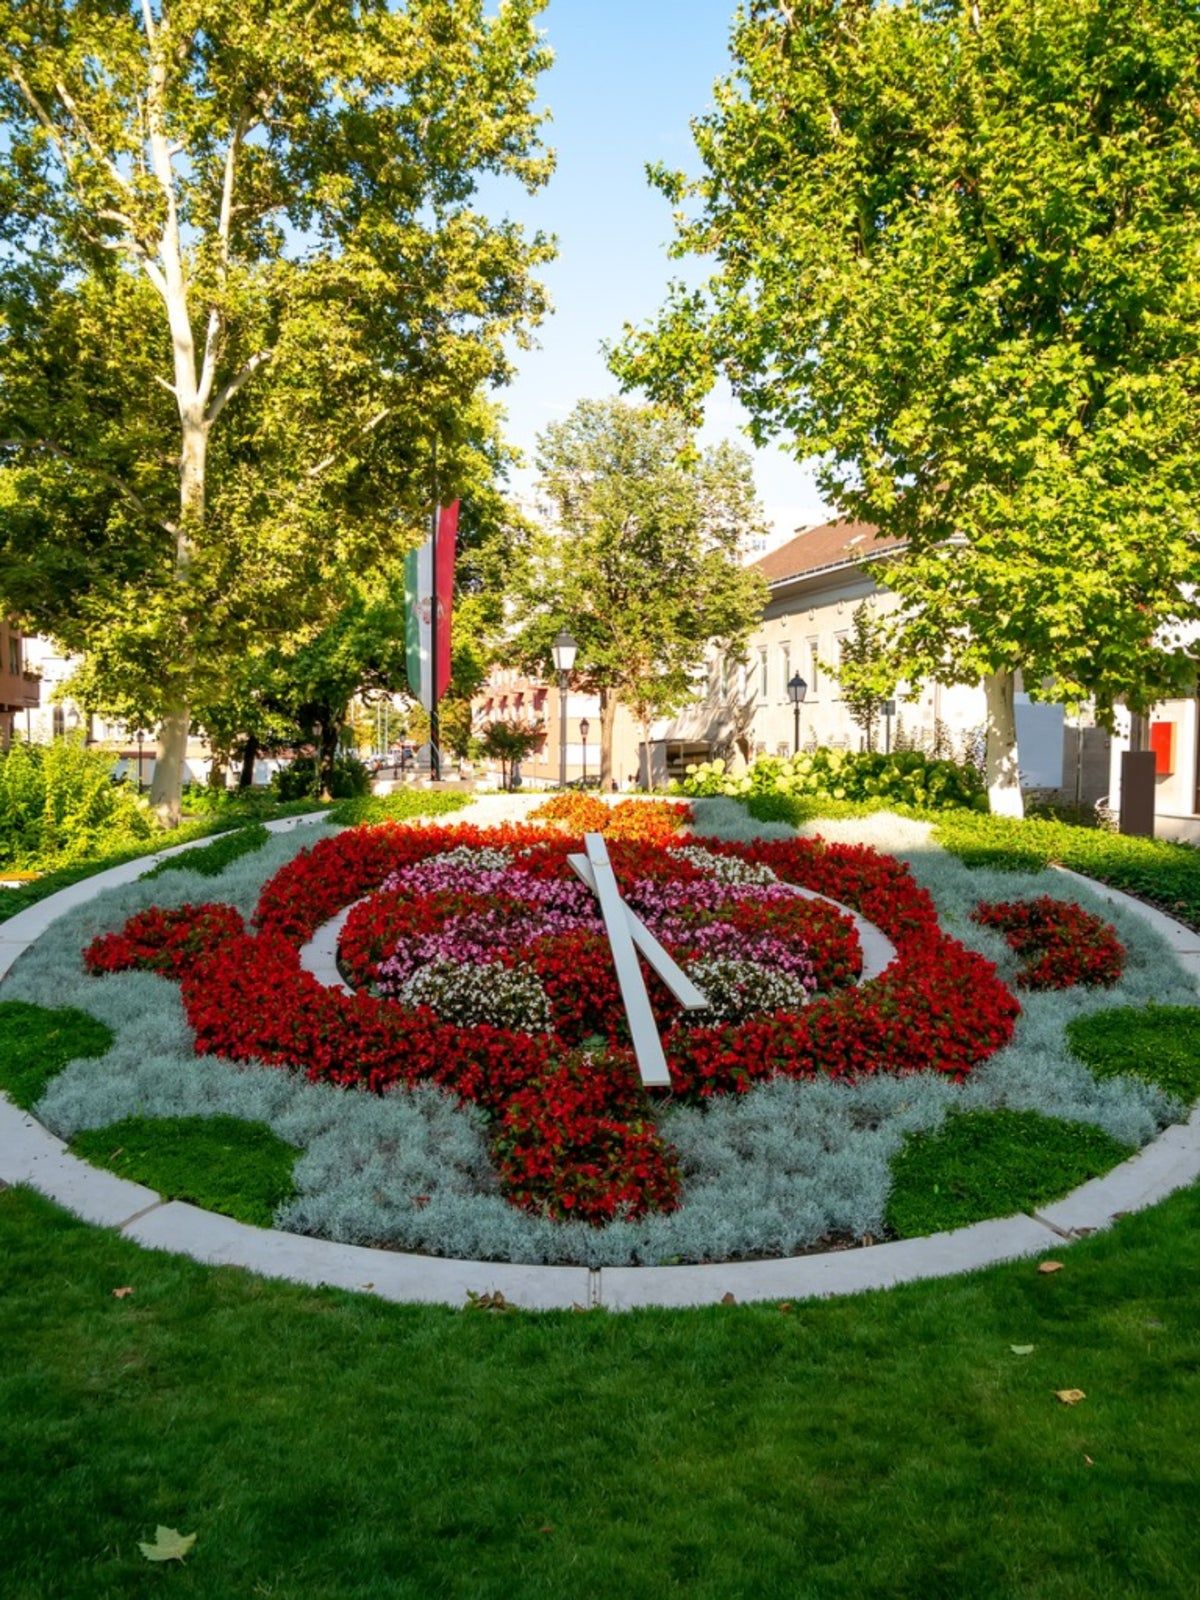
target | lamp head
x=797, y=689
x=564, y=650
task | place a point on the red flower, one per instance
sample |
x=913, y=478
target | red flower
x=572, y=1131
x=1061, y=942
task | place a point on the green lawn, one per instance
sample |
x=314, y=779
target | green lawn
x=326, y=1444
x=322, y=1444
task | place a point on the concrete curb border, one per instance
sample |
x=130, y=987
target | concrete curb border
x=30, y=1154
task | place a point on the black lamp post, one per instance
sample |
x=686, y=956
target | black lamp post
x=797, y=689
x=564, y=651
x=583, y=733
x=889, y=711
x=141, y=734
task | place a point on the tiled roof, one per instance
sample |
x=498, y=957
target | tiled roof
x=833, y=544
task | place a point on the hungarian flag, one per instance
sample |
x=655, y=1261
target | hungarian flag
x=429, y=583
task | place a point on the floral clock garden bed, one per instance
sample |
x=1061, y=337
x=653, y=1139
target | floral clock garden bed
x=475, y=1092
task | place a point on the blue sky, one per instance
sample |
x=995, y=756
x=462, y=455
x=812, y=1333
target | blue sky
x=627, y=79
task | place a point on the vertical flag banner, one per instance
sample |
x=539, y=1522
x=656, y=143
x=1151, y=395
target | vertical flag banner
x=443, y=578
x=423, y=588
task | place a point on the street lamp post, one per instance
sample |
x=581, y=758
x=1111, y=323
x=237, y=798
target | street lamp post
x=583, y=733
x=889, y=711
x=797, y=689
x=564, y=651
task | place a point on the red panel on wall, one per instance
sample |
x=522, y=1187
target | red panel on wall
x=1162, y=742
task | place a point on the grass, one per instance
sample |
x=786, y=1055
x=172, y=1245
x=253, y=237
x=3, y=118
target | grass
x=36, y=1044
x=211, y=859
x=240, y=1169
x=332, y=1446
x=982, y=1164
x=1160, y=1044
x=401, y=806
x=328, y=1445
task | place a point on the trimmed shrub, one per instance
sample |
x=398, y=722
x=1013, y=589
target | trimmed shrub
x=905, y=777
x=1158, y=1044
x=982, y=1164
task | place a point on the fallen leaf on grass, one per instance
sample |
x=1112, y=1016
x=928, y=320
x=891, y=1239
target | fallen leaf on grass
x=1021, y=1349
x=1050, y=1266
x=169, y=1545
x=1089, y=1461
x=785, y=1305
x=1070, y=1397
x=492, y=1301
x=123, y=1292
x=728, y=1299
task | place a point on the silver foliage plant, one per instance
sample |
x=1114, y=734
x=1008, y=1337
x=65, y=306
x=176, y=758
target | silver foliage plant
x=773, y=1171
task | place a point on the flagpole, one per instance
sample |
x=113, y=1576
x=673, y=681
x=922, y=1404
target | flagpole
x=435, y=752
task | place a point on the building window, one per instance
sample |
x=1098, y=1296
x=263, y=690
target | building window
x=839, y=645
x=58, y=720
x=785, y=669
x=762, y=675
x=814, y=666
x=14, y=656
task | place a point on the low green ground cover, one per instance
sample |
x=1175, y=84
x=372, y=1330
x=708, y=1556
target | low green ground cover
x=36, y=1044
x=240, y=1169
x=1160, y=1044
x=322, y=1444
x=982, y=1164
x=401, y=806
x=1156, y=870
x=210, y=860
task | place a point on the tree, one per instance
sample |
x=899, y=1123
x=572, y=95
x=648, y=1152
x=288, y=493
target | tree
x=244, y=291
x=641, y=560
x=956, y=244
x=866, y=673
x=509, y=742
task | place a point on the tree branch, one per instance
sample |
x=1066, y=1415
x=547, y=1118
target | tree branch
x=238, y=382
x=323, y=466
x=89, y=138
x=51, y=448
x=212, y=337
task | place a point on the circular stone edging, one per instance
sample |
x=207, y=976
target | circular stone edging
x=30, y=1154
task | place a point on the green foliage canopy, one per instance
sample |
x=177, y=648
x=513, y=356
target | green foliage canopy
x=244, y=286
x=641, y=559
x=956, y=251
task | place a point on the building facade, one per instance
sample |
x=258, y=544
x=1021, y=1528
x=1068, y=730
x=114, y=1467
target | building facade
x=815, y=583
x=20, y=684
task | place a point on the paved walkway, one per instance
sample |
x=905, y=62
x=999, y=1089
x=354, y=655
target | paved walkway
x=30, y=1154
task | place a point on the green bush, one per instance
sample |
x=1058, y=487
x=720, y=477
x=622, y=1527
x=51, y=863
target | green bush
x=36, y=1043
x=982, y=1164
x=240, y=1169
x=211, y=859
x=300, y=779
x=905, y=777
x=59, y=803
x=1159, y=1044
